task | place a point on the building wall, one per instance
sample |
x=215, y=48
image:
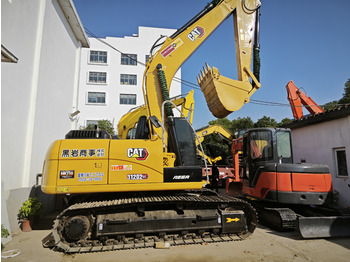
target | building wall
x=112, y=109
x=37, y=92
x=316, y=143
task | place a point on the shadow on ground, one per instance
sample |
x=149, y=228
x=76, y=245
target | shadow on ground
x=46, y=222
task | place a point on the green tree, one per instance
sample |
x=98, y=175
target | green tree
x=346, y=95
x=330, y=105
x=242, y=123
x=103, y=124
x=344, y=100
x=284, y=121
x=266, y=121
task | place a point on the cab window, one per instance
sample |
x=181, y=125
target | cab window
x=261, y=145
x=283, y=144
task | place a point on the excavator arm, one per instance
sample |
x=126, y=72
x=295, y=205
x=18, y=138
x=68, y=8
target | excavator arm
x=212, y=129
x=223, y=95
x=297, y=98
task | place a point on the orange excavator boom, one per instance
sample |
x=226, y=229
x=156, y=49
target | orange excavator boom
x=297, y=98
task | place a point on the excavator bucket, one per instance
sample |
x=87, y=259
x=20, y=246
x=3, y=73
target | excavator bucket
x=224, y=95
x=321, y=227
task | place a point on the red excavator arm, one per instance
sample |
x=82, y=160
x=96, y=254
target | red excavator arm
x=296, y=97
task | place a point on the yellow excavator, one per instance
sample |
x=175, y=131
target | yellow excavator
x=220, y=162
x=215, y=153
x=133, y=193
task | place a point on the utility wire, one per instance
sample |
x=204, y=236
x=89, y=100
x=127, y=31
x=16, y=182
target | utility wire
x=195, y=86
x=177, y=79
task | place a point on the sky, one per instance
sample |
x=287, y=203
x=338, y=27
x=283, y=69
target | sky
x=307, y=41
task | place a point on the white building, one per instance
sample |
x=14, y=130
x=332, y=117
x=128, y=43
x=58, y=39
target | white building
x=39, y=90
x=111, y=81
x=325, y=139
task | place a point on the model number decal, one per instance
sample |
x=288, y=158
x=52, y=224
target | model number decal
x=137, y=176
x=181, y=177
x=197, y=32
x=137, y=153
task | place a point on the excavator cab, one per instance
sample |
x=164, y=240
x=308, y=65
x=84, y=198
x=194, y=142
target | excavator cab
x=268, y=171
x=263, y=147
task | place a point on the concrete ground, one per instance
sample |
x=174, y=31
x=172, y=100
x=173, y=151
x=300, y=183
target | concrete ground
x=263, y=245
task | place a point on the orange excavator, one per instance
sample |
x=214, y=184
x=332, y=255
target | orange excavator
x=285, y=195
x=297, y=98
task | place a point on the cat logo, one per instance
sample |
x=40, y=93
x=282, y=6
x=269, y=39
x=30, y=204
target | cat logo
x=229, y=220
x=197, y=32
x=138, y=153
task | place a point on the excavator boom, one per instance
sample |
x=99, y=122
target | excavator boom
x=223, y=95
x=297, y=98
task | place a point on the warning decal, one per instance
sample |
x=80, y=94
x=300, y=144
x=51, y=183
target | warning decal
x=171, y=48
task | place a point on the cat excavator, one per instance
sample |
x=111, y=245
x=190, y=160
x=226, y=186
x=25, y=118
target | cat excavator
x=134, y=193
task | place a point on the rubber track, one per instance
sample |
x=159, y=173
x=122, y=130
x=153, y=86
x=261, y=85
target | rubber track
x=288, y=218
x=279, y=218
x=150, y=241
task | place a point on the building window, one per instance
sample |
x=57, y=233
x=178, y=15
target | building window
x=147, y=58
x=129, y=59
x=98, y=57
x=97, y=77
x=340, y=162
x=96, y=98
x=128, y=79
x=127, y=99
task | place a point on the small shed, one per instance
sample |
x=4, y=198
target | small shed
x=325, y=139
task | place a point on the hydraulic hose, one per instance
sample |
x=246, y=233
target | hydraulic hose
x=165, y=92
x=256, y=49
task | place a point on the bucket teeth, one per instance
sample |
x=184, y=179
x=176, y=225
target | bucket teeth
x=204, y=73
x=198, y=80
x=223, y=95
x=205, y=70
x=208, y=67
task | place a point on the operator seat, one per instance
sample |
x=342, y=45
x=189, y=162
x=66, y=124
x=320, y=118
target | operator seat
x=142, y=129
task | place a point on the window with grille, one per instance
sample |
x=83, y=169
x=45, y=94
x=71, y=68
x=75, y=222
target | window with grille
x=128, y=79
x=98, y=57
x=127, y=99
x=96, y=98
x=129, y=59
x=97, y=77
